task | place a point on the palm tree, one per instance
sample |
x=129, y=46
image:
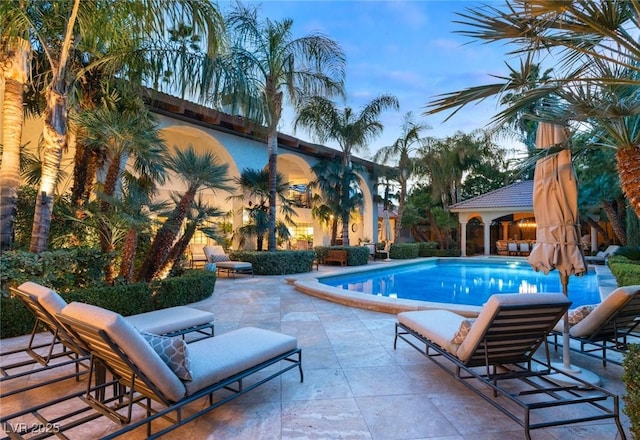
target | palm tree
x=277, y=65
x=597, y=70
x=352, y=131
x=102, y=32
x=254, y=186
x=327, y=201
x=15, y=54
x=408, y=143
x=198, y=172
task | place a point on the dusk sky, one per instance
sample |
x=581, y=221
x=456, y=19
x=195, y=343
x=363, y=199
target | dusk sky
x=404, y=48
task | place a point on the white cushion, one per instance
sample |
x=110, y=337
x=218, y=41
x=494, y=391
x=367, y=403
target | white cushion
x=49, y=299
x=603, y=312
x=132, y=344
x=438, y=326
x=169, y=320
x=215, y=359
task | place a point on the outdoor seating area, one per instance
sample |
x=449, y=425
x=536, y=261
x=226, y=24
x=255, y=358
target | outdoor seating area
x=349, y=360
x=217, y=255
x=514, y=247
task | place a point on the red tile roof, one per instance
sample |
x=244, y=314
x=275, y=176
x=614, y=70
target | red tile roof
x=516, y=195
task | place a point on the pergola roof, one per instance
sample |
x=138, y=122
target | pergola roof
x=517, y=197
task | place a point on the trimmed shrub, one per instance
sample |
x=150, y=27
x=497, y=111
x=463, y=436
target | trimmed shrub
x=356, y=255
x=425, y=248
x=403, y=251
x=626, y=271
x=276, y=263
x=631, y=379
x=129, y=299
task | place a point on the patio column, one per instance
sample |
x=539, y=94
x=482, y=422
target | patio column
x=463, y=239
x=505, y=230
x=594, y=239
x=487, y=238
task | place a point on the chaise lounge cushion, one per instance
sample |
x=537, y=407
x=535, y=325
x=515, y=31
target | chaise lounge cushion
x=236, y=266
x=164, y=320
x=129, y=339
x=439, y=326
x=603, y=312
x=50, y=300
x=215, y=359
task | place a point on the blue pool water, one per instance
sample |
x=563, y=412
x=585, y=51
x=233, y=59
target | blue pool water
x=464, y=281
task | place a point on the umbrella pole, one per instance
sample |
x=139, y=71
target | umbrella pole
x=566, y=361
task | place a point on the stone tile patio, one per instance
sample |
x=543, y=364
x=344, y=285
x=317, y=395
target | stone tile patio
x=356, y=385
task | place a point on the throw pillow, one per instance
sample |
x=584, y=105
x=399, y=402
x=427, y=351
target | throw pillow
x=219, y=257
x=462, y=331
x=578, y=314
x=173, y=351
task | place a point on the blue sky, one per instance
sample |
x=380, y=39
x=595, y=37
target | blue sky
x=404, y=48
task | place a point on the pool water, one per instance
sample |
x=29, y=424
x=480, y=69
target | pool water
x=464, y=282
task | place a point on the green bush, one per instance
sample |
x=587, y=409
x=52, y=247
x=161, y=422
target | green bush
x=130, y=299
x=631, y=378
x=403, y=251
x=426, y=247
x=62, y=269
x=276, y=263
x=626, y=271
x=356, y=255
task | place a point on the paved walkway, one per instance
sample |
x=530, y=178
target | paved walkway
x=356, y=385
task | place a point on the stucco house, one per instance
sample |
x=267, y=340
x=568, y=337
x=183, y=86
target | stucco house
x=242, y=145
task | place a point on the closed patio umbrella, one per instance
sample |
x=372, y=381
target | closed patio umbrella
x=555, y=205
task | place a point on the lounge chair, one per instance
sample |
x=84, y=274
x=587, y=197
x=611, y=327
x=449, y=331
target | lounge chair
x=609, y=326
x=46, y=303
x=208, y=365
x=217, y=255
x=493, y=356
x=601, y=257
x=196, y=256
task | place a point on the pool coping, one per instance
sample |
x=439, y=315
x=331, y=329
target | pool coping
x=310, y=285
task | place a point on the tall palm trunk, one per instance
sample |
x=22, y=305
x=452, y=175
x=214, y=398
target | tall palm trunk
x=54, y=138
x=129, y=254
x=629, y=169
x=346, y=163
x=617, y=223
x=163, y=242
x=273, y=196
x=15, y=72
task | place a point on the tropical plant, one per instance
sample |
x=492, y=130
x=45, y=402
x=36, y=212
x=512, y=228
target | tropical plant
x=352, y=131
x=102, y=33
x=596, y=75
x=198, y=172
x=279, y=66
x=329, y=203
x=401, y=151
x=255, y=187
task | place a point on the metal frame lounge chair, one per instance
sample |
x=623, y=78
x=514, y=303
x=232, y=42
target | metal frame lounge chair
x=217, y=255
x=494, y=357
x=144, y=377
x=601, y=257
x=63, y=350
x=610, y=326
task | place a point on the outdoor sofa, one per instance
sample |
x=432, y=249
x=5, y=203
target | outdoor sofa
x=493, y=356
x=609, y=326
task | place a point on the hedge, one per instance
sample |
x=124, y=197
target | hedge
x=129, y=299
x=403, y=251
x=626, y=271
x=356, y=255
x=426, y=248
x=276, y=263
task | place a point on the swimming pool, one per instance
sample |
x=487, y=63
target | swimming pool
x=464, y=282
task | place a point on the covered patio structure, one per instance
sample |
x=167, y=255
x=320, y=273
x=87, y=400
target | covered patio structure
x=512, y=207
x=512, y=203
